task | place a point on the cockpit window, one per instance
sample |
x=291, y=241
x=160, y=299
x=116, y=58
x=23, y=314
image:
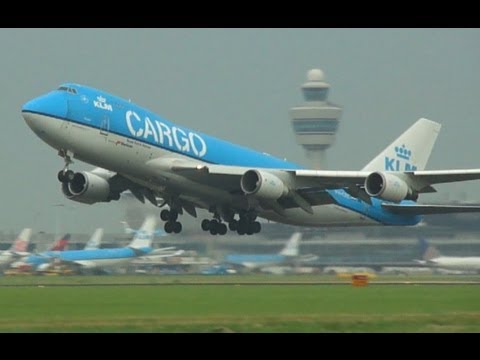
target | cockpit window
x=67, y=89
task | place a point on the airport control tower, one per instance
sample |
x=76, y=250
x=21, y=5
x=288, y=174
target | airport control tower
x=316, y=121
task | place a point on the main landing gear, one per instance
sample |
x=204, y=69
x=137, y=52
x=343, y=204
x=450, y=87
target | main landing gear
x=215, y=226
x=171, y=225
x=246, y=225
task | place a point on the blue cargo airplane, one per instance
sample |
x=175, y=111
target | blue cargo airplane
x=137, y=150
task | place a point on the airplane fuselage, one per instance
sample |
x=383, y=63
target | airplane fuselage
x=468, y=263
x=115, y=134
x=86, y=258
x=256, y=260
x=101, y=257
x=6, y=257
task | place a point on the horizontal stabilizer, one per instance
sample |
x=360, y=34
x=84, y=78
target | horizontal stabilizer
x=162, y=250
x=419, y=209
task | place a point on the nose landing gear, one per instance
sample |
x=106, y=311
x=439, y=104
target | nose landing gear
x=66, y=175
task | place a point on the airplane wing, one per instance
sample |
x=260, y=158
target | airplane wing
x=420, y=181
x=162, y=251
x=166, y=253
x=228, y=176
x=420, y=209
x=19, y=254
x=87, y=264
x=306, y=188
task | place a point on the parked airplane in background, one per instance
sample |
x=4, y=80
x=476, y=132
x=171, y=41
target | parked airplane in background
x=92, y=243
x=101, y=258
x=433, y=258
x=157, y=256
x=132, y=231
x=285, y=257
x=95, y=240
x=18, y=249
x=61, y=244
x=32, y=261
x=139, y=151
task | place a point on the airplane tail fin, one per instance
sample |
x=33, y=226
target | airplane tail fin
x=61, y=244
x=95, y=240
x=291, y=248
x=144, y=236
x=21, y=242
x=127, y=228
x=428, y=251
x=410, y=151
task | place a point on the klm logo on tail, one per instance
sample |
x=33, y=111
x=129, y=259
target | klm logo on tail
x=401, y=161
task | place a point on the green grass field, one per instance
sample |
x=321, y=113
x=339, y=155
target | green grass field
x=238, y=308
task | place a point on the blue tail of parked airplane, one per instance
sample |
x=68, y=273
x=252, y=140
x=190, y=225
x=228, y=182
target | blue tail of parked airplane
x=427, y=251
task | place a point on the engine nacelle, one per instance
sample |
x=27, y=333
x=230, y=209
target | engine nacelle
x=262, y=184
x=388, y=187
x=88, y=188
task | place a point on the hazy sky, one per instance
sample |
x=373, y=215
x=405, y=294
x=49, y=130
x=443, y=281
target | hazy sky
x=238, y=84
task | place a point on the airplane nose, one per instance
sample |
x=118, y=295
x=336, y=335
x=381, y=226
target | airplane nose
x=52, y=104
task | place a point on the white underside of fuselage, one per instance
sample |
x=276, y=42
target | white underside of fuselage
x=102, y=263
x=458, y=263
x=129, y=158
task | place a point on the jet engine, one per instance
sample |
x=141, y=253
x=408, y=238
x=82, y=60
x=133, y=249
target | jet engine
x=388, y=187
x=88, y=188
x=262, y=184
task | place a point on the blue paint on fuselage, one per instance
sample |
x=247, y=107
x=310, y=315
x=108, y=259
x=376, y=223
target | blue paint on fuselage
x=102, y=254
x=41, y=258
x=100, y=110
x=90, y=255
x=375, y=210
x=111, y=115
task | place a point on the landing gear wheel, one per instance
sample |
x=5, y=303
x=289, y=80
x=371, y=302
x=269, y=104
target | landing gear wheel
x=233, y=225
x=222, y=229
x=61, y=176
x=165, y=215
x=177, y=227
x=256, y=227
x=69, y=175
x=65, y=176
x=242, y=228
x=205, y=225
x=168, y=227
